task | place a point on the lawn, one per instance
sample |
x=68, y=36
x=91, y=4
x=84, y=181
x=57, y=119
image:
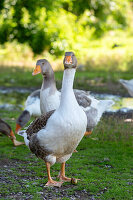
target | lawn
x=94, y=80
x=103, y=162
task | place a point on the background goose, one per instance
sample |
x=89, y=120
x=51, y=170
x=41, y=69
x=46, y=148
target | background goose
x=50, y=96
x=54, y=136
x=128, y=84
x=6, y=129
x=32, y=108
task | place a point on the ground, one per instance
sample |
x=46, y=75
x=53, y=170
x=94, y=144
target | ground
x=96, y=81
x=103, y=162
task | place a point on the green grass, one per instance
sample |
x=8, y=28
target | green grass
x=93, y=80
x=103, y=163
x=91, y=52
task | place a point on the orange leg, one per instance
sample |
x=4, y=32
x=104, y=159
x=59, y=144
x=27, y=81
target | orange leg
x=62, y=174
x=88, y=133
x=12, y=135
x=51, y=182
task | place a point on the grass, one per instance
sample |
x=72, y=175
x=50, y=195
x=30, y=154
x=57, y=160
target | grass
x=111, y=52
x=103, y=163
x=93, y=80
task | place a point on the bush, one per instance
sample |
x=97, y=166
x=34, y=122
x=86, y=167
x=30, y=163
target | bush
x=59, y=25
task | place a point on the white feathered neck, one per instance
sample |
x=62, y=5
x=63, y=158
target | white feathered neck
x=67, y=93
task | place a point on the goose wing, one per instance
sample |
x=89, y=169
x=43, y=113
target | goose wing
x=38, y=124
x=83, y=97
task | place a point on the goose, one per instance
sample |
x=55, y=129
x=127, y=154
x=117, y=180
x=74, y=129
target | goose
x=128, y=84
x=6, y=129
x=32, y=108
x=55, y=135
x=50, y=97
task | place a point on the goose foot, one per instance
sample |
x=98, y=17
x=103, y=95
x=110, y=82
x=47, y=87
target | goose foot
x=52, y=183
x=75, y=151
x=64, y=179
x=88, y=133
x=17, y=143
x=62, y=176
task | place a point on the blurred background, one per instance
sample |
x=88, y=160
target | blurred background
x=100, y=32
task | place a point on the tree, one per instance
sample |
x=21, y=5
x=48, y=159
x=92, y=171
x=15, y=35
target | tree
x=46, y=24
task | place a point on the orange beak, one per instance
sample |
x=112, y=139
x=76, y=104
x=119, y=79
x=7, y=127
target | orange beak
x=12, y=134
x=68, y=59
x=18, y=127
x=37, y=70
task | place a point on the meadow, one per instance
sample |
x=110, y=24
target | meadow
x=100, y=33
x=103, y=162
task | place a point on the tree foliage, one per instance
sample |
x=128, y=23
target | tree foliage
x=61, y=24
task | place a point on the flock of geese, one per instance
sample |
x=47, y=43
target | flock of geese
x=63, y=117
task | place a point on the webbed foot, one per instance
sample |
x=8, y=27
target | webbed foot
x=52, y=183
x=17, y=143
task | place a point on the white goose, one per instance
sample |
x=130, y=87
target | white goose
x=54, y=136
x=50, y=97
x=32, y=108
x=128, y=84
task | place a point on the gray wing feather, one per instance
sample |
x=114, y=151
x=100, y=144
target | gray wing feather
x=38, y=124
x=36, y=93
x=91, y=114
x=83, y=98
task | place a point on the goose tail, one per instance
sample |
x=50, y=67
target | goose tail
x=103, y=106
x=123, y=82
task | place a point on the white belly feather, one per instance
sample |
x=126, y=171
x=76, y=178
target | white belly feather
x=69, y=128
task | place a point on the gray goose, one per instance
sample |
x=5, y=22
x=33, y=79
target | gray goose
x=50, y=97
x=32, y=108
x=6, y=129
x=128, y=84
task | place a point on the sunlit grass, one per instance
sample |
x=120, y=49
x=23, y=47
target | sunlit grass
x=111, y=52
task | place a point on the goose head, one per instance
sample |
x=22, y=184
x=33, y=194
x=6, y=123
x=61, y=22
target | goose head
x=22, y=120
x=70, y=60
x=6, y=129
x=43, y=67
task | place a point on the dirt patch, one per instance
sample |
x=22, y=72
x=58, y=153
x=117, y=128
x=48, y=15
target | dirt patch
x=16, y=180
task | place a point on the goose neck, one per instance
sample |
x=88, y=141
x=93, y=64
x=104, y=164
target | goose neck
x=48, y=82
x=67, y=85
